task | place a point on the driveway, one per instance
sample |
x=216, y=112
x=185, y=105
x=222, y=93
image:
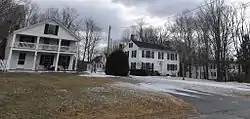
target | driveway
x=213, y=100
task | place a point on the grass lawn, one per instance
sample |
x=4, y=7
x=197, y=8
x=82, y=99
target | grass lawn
x=67, y=96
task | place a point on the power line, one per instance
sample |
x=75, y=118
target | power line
x=244, y=5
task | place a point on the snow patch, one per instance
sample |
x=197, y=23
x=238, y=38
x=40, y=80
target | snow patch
x=97, y=74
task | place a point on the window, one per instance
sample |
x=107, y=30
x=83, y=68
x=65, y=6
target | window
x=143, y=65
x=152, y=66
x=51, y=29
x=143, y=53
x=147, y=66
x=172, y=67
x=64, y=60
x=46, y=60
x=160, y=55
x=130, y=45
x=172, y=57
x=213, y=74
x=168, y=56
x=133, y=65
x=21, y=59
x=153, y=54
x=147, y=54
x=46, y=41
x=134, y=54
x=176, y=57
x=65, y=43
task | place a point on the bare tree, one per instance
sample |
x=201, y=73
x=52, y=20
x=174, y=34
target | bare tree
x=183, y=32
x=219, y=18
x=91, y=36
x=32, y=13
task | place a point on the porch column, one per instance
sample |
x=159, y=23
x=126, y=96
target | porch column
x=35, y=56
x=71, y=63
x=58, y=54
x=11, y=48
x=77, y=55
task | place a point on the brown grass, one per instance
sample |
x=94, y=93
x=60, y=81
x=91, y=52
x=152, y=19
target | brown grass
x=66, y=96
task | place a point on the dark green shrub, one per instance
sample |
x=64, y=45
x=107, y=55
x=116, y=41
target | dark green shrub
x=117, y=64
x=141, y=72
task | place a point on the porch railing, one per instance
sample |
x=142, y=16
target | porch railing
x=25, y=45
x=67, y=49
x=48, y=47
x=3, y=65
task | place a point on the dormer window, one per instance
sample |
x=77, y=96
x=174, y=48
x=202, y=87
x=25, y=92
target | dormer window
x=130, y=45
x=51, y=29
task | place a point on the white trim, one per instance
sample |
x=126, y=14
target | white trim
x=50, y=20
x=77, y=55
x=57, y=59
x=58, y=54
x=11, y=48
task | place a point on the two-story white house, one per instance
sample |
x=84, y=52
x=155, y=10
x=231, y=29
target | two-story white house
x=155, y=57
x=199, y=71
x=44, y=46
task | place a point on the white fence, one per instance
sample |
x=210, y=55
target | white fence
x=3, y=65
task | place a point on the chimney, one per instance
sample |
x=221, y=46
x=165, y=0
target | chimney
x=132, y=37
x=120, y=46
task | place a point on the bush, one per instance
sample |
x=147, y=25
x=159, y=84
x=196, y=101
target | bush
x=117, y=64
x=141, y=72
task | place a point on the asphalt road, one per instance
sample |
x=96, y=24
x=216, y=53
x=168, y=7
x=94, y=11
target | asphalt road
x=219, y=107
x=211, y=106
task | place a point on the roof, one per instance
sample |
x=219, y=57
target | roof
x=151, y=45
x=97, y=59
x=50, y=20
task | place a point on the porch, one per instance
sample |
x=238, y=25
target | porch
x=44, y=44
x=42, y=61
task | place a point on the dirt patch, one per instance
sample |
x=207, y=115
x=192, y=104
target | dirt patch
x=66, y=96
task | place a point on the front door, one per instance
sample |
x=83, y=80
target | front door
x=21, y=60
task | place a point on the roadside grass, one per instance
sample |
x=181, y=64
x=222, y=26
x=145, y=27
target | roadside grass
x=68, y=96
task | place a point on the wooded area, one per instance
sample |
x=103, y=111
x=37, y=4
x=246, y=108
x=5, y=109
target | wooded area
x=215, y=32
x=16, y=14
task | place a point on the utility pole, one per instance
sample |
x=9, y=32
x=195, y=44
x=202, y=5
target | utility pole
x=109, y=33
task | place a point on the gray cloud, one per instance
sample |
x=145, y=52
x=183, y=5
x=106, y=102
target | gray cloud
x=103, y=16
x=161, y=8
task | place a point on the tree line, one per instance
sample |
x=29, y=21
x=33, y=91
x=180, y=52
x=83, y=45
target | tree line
x=16, y=14
x=216, y=32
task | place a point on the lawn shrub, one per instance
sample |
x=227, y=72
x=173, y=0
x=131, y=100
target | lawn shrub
x=142, y=72
x=117, y=64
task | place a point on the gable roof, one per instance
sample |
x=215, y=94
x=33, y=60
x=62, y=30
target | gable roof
x=97, y=59
x=50, y=20
x=151, y=45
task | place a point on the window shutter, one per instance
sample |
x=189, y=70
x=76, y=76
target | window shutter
x=57, y=29
x=46, y=29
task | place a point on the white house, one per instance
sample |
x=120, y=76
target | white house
x=44, y=46
x=97, y=64
x=199, y=71
x=155, y=57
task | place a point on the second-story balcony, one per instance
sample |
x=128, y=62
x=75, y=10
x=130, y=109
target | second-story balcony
x=44, y=47
x=67, y=49
x=25, y=45
x=48, y=47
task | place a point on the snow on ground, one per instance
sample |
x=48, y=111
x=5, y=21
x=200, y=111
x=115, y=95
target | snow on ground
x=188, y=87
x=97, y=74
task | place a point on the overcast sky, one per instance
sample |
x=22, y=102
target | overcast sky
x=122, y=13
